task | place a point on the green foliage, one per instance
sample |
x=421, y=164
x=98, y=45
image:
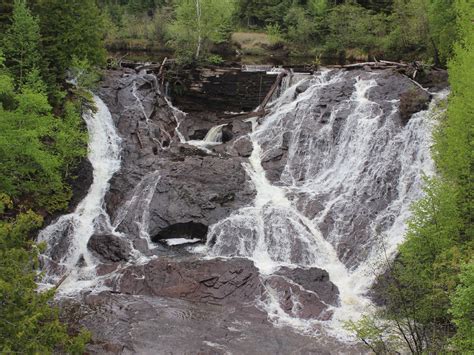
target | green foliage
x=352, y=26
x=301, y=28
x=423, y=28
x=262, y=12
x=83, y=74
x=378, y=336
x=37, y=149
x=454, y=143
x=318, y=7
x=430, y=294
x=198, y=25
x=21, y=42
x=215, y=59
x=462, y=310
x=37, y=152
x=274, y=32
x=28, y=324
x=70, y=29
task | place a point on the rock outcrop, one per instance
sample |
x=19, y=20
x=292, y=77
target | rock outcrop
x=178, y=182
x=109, y=247
x=170, y=187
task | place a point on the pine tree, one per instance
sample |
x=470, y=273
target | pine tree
x=70, y=29
x=21, y=42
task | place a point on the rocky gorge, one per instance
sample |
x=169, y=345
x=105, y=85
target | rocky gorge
x=209, y=232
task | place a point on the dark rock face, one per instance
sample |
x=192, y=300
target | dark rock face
x=413, y=101
x=243, y=147
x=109, y=247
x=177, y=182
x=314, y=280
x=305, y=293
x=82, y=181
x=188, y=230
x=210, y=281
x=220, y=89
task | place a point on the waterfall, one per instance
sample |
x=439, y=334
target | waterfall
x=212, y=138
x=136, y=210
x=67, y=254
x=364, y=171
x=214, y=135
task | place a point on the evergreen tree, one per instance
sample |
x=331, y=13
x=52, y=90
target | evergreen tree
x=6, y=9
x=70, y=29
x=21, y=42
x=28, y=324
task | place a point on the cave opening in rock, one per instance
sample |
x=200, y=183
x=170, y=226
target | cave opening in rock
x=182, y=233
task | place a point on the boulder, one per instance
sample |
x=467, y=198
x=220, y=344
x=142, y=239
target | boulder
x=413, y=101
x=314, y=280
x=109, y=247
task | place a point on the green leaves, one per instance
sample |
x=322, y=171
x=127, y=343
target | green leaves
x=462, y=310
x=37, y=149
x=198, y=25
x=70, y=29
x=28, y=324
x=21, y=42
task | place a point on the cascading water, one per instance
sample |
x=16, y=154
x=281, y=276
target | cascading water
x=138, y=207
x=334, y=170
x=67, y=254
x=341, y=167
x=213, y=137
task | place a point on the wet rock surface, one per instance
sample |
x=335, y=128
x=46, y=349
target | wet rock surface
x=109, y=247
x=296, y=157
x=82, y=180
x=135, y=324
x=179, y=183
x=314, y=280
x=171, y=300
x=215, y=281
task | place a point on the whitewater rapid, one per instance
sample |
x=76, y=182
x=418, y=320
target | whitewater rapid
x=275, y=231
x=69, y=235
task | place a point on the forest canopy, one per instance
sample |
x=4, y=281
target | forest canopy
x=390, y=29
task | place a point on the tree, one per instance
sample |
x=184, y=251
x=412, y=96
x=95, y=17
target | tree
x=70, y=29
x=462, y=310
x=301, y=28
x=6, y=8
x=21, y=42
x=263, y=12
x=353, y=27
x=424, y=28
x=453, y=141
x=198, y=25
x=36, y=148
x=28, y=324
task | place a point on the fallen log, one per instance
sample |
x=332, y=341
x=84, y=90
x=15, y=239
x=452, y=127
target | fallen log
x=272, y=90
x=152, y=66
x=394, y=63
x=59, y=283
x=382, y=64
